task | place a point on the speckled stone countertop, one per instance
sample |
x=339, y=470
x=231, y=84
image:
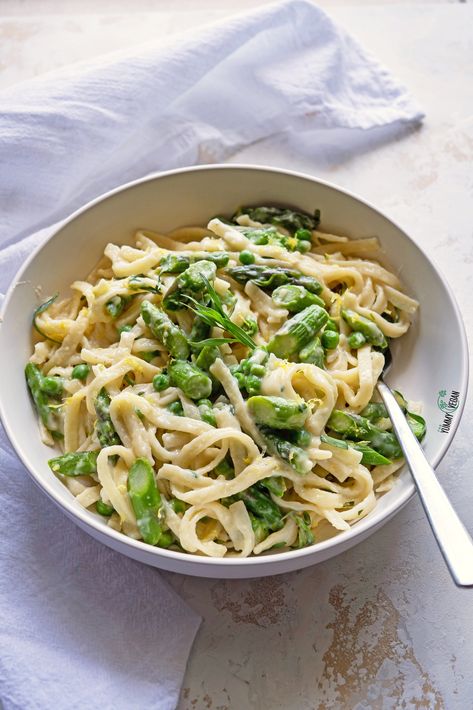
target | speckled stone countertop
x=381, y=626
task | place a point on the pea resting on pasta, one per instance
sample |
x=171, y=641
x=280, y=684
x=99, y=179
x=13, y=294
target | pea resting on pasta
x=212, y=390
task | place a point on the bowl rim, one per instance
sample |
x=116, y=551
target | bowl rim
x=362, y=527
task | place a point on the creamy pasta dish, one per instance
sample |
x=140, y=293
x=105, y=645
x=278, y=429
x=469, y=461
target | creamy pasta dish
x=213, y=390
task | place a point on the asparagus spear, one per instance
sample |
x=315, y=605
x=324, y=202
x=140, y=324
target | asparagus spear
x=173, y=264
x=190, y=379
x=401, y=400
x=281, y=217
x=77, y=463
x=140, y=283
x=146, y=500
x=164, y=330
x=219, y=258
x=199, y=331
x=263, y=236
x=305, y=535
x=357, y=428
x=277, y=412
x=295, y=298
x=270, y=235
x=300, y=437
x=293, y=454
x=313, y=353
x=104, y=509
x=207, y=356
x=365, y=326
x=374, y=411
x=117, y=305
x=370, y=456
x=192, y=281
x=297, y=332
x=269, y=278
x=274, y=484
x=262, y=506
x=177, y=263
x=417, y=424
x=106, y=433
x=34, y=379
x=260, y=528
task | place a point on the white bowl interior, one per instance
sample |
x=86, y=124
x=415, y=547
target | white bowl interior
x=423, y=362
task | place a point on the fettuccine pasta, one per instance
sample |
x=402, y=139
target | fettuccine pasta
x=213, y=390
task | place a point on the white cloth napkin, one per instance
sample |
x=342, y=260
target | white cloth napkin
x=81, y=626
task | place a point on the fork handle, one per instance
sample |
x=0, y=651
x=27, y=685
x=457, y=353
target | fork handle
x=452, y=537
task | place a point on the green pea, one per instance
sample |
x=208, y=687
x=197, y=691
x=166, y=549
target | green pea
x=53, y=386
x=303, y=246
x=104, y=509
x=240, y=378
x=331, y=325
x=329, y=339
x=80, y=372
x=258, y=370
x=304, y=234
x=176, y=408
x=161, y=381
x=166, y=539
x=253, y=385
x=247, y=257
x=356, y=340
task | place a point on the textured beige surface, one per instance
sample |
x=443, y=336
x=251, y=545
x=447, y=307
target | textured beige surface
x=380, y=627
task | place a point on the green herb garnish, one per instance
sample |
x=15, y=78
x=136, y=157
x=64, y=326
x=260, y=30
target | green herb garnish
x=44, y=307
x=214, y=315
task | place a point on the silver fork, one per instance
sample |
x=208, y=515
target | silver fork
x=452, y=537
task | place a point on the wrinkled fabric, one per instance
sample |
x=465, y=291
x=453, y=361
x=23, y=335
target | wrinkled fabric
x=76, y=133
x=80, y=625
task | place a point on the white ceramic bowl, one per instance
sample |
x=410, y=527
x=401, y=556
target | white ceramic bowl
x=430, y=359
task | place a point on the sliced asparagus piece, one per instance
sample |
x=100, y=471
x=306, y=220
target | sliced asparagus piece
x=277, y=412
x=77, y=463
x=298, y=331
x=164, y=330
x=146, y=500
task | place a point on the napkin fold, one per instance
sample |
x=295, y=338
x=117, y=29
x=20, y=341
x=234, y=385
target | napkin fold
x=73, y=134
x=80, y=625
